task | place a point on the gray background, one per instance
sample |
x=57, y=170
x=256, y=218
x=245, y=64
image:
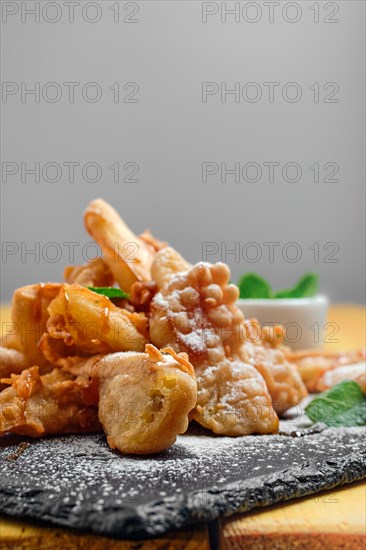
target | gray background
x=170, y=132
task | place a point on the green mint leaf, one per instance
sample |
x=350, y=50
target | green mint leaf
x=253, y=286
x=342, y=405
x=109, y=291
x=306, y=287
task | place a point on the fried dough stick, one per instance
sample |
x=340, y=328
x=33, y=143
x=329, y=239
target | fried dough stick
x=82, y=322
x=128, y=257
x=195, y=312
x=144, y=399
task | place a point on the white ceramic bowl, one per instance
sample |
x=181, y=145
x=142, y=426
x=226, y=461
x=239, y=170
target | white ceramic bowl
x=303, y=318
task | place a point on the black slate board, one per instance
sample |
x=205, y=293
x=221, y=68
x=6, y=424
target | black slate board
x=77, y=481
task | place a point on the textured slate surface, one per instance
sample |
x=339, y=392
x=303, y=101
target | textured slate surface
x=77, y=481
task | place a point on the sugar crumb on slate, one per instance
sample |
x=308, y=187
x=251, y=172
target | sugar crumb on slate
x=80, y=482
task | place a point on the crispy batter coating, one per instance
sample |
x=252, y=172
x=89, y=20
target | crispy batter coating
x=282, y=378
x=141, y=295
x=128, y=257
x=71, y=354
x=29, y=319
x=264, y=349
x=11, y=361
x=142, y=399
x=355, y=372
x=315, y=366
x=195, y=312
x=145, y=399
x=152, y=241
x=167, y=264
x=233, y=399
x=94, y=273
x=83, y=322
x=36, y=405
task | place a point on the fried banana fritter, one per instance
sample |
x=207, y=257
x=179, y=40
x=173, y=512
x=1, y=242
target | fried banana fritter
x=88, y=323
x=145, y=399
x=53, y=403
x=141, y=400
x=316, y=366
x=264, y=349
x=94, y=273
x=29, y=320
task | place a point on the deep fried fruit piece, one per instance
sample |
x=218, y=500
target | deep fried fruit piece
x=154, y=243
x=36, y=405
x=264, y=349
x=283, y=380
x=145, y=398
x=271, y=336
x=11, y=361
x=94, y=273
x=314, y=366
x=355, y=372
x=167, y=263
x=195, y=312
x=141, y=295
x=91, y=324
x=233, y=399
x=128, y=257
x=29, y=316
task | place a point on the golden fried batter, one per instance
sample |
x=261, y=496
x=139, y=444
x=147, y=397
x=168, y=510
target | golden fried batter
x=315, y=364
x=152, y=241
x=142, y=399
x=355, y=372
x=265, y=350
x=36, y=405
x=88, y=323
x=141, y=295
x=195, y=312
x=11, y=361
x=76, y=362
x=168, y=263
x=282, y=378
x=29, y=319
x=128, y=257
x=145, y=399
x=94, y=273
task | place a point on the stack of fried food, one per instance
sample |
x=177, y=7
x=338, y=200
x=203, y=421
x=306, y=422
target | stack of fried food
x=139, y=368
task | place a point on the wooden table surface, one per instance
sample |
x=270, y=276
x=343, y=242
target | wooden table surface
x=330, y=520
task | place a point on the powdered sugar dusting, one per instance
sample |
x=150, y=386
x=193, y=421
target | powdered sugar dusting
x=80, y=481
